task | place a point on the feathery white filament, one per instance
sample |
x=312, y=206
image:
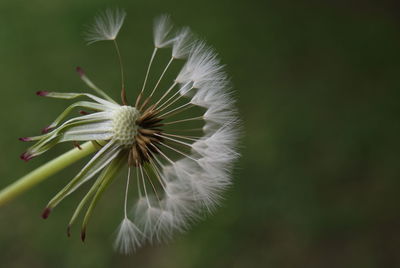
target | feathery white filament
x=106, y=25
x=128, y=237
x=182, y=43
x=161, y=31
x=201, y=67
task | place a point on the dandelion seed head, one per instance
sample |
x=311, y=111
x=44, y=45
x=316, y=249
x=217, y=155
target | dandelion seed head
x=179, y=157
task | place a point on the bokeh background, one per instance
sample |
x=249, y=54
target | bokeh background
x=318, y=89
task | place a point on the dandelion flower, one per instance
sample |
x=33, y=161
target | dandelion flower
x=178, y=141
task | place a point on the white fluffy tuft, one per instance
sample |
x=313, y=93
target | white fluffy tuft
x=202, y=66
x=182, y=44
x=148, y=218
x=160, y=221
x=161, y=31
x=179, y=202
x=213, y=93
x=203, y=185
x=128, y=237
x=106, y=26
x=220, y=145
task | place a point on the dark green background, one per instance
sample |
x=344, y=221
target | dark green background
x=318, y=88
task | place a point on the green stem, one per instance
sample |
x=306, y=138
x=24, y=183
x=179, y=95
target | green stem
x=43, y=172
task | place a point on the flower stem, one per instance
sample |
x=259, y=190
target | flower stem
x=43, y=172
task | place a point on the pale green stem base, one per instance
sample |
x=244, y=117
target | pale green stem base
x=43, y=172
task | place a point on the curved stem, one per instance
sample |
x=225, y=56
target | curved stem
x=121, y=67
x=43, y=172
x=126, y=192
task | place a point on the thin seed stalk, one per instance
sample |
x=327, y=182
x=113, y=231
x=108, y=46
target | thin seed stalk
x=45, y=171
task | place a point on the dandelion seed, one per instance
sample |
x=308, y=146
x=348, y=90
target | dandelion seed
x=106, y=26
x=178, y=141
x=128, y=238
x=161, y=31
x=182, y=44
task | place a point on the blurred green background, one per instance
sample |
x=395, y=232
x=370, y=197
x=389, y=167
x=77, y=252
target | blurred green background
x=318, y=88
